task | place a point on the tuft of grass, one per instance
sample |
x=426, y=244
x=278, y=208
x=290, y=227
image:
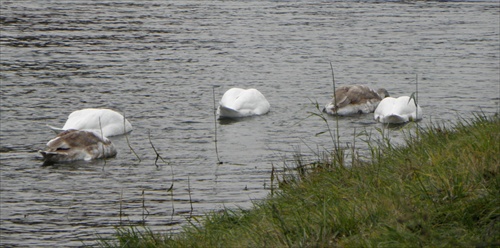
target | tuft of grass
x=440, y=189
x=132, y=236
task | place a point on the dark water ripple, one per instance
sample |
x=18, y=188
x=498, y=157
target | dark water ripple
x=158, y=61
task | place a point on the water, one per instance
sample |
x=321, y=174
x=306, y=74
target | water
x=157, y=62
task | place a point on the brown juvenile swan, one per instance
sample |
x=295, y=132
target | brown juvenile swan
x=355, y=99
x=72, y=145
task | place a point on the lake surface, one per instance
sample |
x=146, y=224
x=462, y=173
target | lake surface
x=158, y=62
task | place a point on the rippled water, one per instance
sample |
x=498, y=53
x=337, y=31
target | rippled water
x=158, y=62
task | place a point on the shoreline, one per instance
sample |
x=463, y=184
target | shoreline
x=440, y=189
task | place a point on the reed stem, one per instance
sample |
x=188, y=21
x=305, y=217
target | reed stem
x=190, y=199
x=128, y=141
x=337, y=145
x=158, y=156
x=102, y=146
x=215, y=124
x=121, y=206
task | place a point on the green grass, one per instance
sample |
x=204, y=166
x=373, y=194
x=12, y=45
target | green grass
x=441, y=189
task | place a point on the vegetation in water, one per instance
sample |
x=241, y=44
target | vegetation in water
x=442, y=188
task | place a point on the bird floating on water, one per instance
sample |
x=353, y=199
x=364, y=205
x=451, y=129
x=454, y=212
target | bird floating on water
x=110, y=122
x=355, y=99
x=72, y=145
x=237, y=102
x=397, y=110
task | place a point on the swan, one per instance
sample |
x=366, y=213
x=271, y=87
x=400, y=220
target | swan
x=238, y=102
x=110, y=122
x=72, y=145
x=355, y=99
x=397, y=110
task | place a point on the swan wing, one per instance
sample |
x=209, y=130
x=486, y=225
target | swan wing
x=110, y=122
x=229, y=98
x=253, y=101
x=384, y=108
x=239, y=103
x=397, y=110
x=404, y=106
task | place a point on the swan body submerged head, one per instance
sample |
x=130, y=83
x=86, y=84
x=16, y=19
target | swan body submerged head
x=72, y=145
x=355, y=99
x=237, y=102
x=110, y=122
x=397, y=110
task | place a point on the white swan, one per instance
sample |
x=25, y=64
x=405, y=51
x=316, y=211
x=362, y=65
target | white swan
x=355, y=99
x=397, y=110
x=110, y=122
x=72, y=145
x=238, y=102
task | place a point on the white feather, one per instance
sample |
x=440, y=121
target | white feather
x=397, y=110
x=238, y=102
x=110, y=122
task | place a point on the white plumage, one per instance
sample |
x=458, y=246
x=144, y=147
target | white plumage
x=238, y=102
x=397, y=110
x=110, y=122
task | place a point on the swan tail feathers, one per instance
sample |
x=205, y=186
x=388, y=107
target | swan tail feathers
x=225, y=112
x=56, y=129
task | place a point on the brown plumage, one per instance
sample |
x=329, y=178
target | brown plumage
x=355, y=99
x=72, y=145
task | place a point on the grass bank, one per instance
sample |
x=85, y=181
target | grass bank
x=440, y=189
